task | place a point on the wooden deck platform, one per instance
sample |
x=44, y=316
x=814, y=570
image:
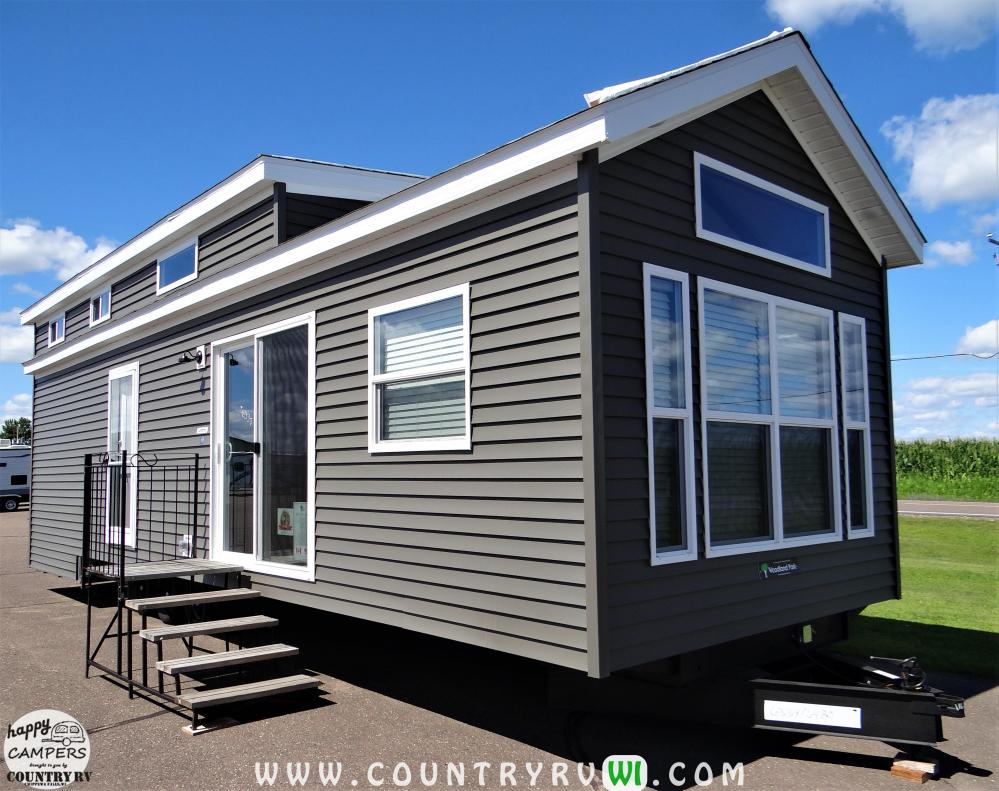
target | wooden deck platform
x=167, y=569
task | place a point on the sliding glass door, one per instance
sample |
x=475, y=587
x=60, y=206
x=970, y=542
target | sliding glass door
x=264, y=431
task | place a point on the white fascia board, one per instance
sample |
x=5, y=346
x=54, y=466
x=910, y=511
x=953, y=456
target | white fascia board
x=169, y=229
x=336, y=182
x=666, y=105
x=535, y=154
x=833, y=107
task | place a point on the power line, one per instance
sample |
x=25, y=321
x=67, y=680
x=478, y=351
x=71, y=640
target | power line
x=939, y=356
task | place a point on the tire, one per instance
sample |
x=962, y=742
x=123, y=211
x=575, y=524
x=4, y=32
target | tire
x=10, y=504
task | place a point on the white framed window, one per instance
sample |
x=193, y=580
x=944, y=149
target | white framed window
x=177, y=266
x=100, y=307
x=769, y=428
x=672, y=500
x=856, y=426
x=418, y=374
x=57, y=329
x=747, y=213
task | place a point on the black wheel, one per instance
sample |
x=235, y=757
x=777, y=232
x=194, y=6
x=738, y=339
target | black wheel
x=10, y=504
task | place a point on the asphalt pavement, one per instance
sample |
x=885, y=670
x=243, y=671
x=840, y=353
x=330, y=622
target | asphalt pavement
x=392, y=697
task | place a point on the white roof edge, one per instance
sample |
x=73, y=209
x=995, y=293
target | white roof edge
x=593, y=98
x=307, y=176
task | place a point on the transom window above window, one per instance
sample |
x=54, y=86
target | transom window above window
x=742, y=211
x=57, y=329
x=176, y=268
x=419, y=374
x=100, y=307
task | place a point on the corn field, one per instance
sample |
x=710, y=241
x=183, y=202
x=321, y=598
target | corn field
x=949, y=460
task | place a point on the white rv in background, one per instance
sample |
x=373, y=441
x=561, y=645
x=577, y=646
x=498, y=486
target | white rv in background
x=15, y=476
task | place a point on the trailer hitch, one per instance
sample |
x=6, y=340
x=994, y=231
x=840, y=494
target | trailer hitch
x=874, y=698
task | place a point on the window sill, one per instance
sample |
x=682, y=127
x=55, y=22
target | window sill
x=416, y=446
x=751, y=547
x=676, y=556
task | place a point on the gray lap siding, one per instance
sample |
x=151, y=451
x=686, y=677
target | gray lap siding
x=483, y=546
x=647, y=214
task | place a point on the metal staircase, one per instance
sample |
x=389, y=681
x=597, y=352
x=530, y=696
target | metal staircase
x=162, y=556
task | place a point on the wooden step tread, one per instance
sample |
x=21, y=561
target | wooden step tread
x=243, y=656
x=184, y=599
x=207, y=627
x=202, y=699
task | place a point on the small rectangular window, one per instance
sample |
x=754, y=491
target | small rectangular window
x=672, y=519
x=419, y=374
x=18, y=480
x=57, y=329
x=856, y=426
x=745, y=212
x=177, y=268
x=100, y=307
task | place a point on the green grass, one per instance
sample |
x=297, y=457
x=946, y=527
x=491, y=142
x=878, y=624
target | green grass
x=949, y=613
x=913, y=486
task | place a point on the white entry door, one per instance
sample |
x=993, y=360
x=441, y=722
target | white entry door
x=263, y=455
x=123, y=444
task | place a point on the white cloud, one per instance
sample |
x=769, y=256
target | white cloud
x=27, y=247
x=24, y=288
x=17, y=406
x=985, y=223
x=983, y=339
x=958, y=386
x=17, y=343
x=947, y=406
x=950, y=148
x=956, y=253
x=936, y=26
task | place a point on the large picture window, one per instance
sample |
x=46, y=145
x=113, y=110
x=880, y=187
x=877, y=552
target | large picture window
x=856, y=426
x=771, y=448
x=670, y=423
x=419, y=374
x=740, y=210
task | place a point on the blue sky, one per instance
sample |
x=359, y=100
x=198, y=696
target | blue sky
x=116, y=113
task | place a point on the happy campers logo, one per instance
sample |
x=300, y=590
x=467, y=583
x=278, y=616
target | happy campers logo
x=46, y=749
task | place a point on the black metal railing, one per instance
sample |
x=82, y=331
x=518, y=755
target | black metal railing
x=140, y=508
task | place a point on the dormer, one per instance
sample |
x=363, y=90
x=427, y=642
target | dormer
x=269, y=201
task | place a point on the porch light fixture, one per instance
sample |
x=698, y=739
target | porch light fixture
x=198, y=355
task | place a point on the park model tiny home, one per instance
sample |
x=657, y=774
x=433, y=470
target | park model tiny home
x=614, y=392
